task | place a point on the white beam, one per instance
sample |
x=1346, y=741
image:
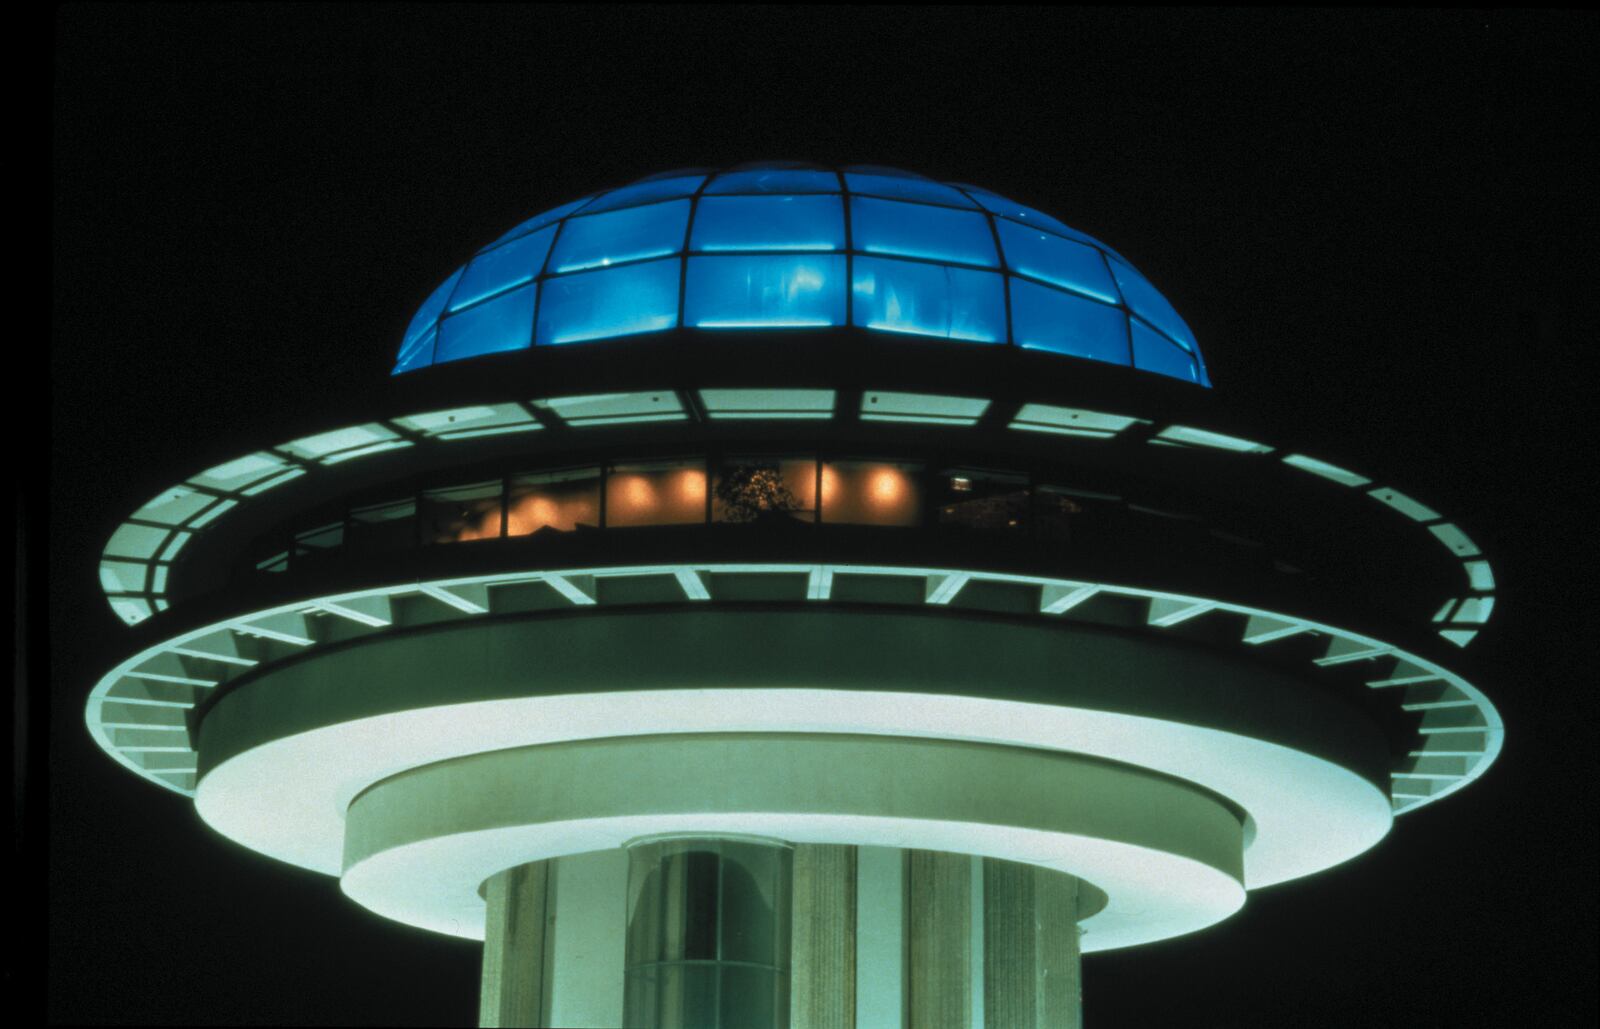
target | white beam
x=693, y=587
x=1343, y=649
x=1262, y=629
x=471, y=598
x=1169, y=611
x=288, y=627
x=372, y=610
x=218, y=646
x=1054, y=599
x=941, y=589
x=577, y=588
x=168, y=668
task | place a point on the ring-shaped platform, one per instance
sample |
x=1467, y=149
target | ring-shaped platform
x=285, y=752
x=1166, y=854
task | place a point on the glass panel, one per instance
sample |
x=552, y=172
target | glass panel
x=504, y=323
x=871, y=493
x=899, y=188
x=241, y=471
x=130, y=610
x=646, y=191
x=917, y=230
x=922, y=407
x=615, y=408
x=1328, y=471
x=1056, y=260
x=274, y=482
x=122, y=576
x=460, y=421
x=173, y=505
x=768, y=223
x=326, y=443
x=768, y=403
x=1155, y=353
x=557, y=501
x=929, y=300
x=503, y=267
x=1412, y=508
x=1150, y=305
x=135, y=541
x=756, y=489
x=428, y=313
x=1020, y=212
x=616, y=302
x=983, y=500
x=597, y=240
x=1192, y=436
x=366, y=451
x=461, y=513
x=759, y=291
x=418, y=354
x=1452, y=536
x=1048, y=319
x=383, y=527
x=1072, y=421
x=175, y=544
x=659, y=493
x=775, y=180
x=212, y=513
x=539, y=221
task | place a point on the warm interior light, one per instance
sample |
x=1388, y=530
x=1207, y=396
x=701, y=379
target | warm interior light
x=869, y=494
x=885, y=486
x=559, y=505
x=650, y=497
x=830, y=486
x=476, y=523
x=691, y=487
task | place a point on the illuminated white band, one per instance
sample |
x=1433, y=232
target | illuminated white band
x=287, y=798
x=1165, y=853
x=131, y=678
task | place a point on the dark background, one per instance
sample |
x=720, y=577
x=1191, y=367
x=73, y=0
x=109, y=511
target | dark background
x=1379, y=226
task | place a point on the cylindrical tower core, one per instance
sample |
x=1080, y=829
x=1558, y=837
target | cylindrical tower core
x=708, y=934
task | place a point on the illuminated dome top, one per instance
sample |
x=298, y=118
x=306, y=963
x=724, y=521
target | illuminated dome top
x=784, y=245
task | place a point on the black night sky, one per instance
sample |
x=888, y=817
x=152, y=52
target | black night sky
x=1379, y=225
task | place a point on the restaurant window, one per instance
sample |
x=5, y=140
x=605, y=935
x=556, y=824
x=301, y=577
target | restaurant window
x=1063, y=514
x=462, y=513
x=993, y=501
x=556, y=501
x=380, y=527
x=656, y=493
x=758, y=489
x=871, y=493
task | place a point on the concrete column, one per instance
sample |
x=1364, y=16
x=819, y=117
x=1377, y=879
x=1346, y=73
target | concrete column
x=823, y=981
x=880, y=937
x=938, y=940
x=1031, y=972
x=708, y=934
x=516, y=946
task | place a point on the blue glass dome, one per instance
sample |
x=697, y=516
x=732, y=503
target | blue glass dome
x=782, y=245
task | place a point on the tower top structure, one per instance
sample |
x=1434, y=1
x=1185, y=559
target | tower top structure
x=810, y=507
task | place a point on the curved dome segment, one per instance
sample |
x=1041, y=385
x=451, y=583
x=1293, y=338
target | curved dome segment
x=784, y=245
